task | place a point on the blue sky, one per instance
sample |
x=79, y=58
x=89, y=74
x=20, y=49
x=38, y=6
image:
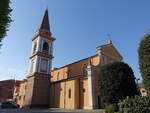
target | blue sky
x=79, y=26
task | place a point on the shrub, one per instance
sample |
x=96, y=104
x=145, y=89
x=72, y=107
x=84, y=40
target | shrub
x=116, y=81
x=144, y=61
x=111, y=108
x=135, y=105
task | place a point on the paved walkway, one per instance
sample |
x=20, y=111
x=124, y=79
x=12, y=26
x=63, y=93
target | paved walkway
x=48, y=111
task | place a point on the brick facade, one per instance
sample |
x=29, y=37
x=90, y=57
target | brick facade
x=9, y=89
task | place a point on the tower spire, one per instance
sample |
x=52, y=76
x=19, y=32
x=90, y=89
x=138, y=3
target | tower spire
x=45, y=22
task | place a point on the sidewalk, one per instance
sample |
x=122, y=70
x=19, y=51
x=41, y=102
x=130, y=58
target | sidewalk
x=78, y=110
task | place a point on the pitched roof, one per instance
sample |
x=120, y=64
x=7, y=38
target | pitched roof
x=74, y=63
x=45, y=21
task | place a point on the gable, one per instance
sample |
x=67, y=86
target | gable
x=111, y=51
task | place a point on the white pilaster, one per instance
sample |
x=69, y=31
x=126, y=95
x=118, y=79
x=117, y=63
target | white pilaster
x=36, y=63
x=51, y=49
x=39, y=64
x=32, y=48
x=38, y=44
x=90, y=90
x=28, y=72
x=50, y=66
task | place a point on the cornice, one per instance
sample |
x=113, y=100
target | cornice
x=45, y=34
x=41, y=54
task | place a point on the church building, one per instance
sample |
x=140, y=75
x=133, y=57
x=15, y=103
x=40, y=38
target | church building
x=73, y=86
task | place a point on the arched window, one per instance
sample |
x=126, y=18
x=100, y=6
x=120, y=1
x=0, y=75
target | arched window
x=45, y=47
x=69, y=92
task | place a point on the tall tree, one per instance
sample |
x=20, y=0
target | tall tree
x=5, y=18
x=144, y=61
x=116, y=81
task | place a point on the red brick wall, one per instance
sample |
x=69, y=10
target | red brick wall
x=7, y=89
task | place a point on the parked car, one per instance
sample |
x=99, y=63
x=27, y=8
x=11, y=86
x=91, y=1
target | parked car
x=9, y=105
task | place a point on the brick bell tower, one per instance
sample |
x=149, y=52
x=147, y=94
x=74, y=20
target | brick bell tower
x=38, y=78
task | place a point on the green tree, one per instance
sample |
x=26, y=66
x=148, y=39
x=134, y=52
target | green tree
x=135, y=104
x=5, y=18
x=116, y=81
x=144, y=61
